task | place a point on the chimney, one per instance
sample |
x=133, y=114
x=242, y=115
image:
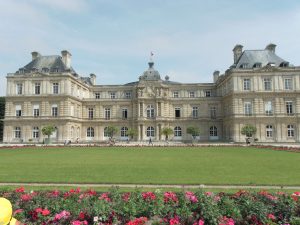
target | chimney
x=93, y=78
x=237, y=52
x=216, y=75
x=66, y=58
x=271, y=47
x=35, y=55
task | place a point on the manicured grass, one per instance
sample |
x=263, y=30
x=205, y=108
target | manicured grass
x=153, y=165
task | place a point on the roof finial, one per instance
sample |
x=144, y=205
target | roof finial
x=151, y=63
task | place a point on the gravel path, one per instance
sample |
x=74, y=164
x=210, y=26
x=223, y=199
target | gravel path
x=153, y=186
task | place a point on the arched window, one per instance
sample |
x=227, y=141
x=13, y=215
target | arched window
x=177, y=132
x=290, y=130
x=90, y=132
x=106, y=133
x=213, y=131
x=124, y=132
x=150, y=132
x=150, y=111
x=269, y=131
x=35, y=132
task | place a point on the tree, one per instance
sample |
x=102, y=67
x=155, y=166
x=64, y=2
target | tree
x=131, y=133
x=112, y=130
x=48, y=130
x=248, y=130
x=194, y=131
x=167, y=131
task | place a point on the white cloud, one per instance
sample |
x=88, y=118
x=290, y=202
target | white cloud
x=65, y=5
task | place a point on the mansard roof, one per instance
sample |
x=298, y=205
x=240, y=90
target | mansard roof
x=52, y=63
x=151, y=74
x=251, y=58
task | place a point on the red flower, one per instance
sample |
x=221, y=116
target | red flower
x=105, y=197
x=45, y=212
x=20, y=190
x=138, y=221
x=148, y=196
x=174, y=221
x=126, y=196
x=296, y=195
x=81, y=216
x=271, y=216
x=170, y=197
x=26, y=197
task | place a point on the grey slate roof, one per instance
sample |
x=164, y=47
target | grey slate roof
x=53, y=63
x=151, y=73
x=265, y=57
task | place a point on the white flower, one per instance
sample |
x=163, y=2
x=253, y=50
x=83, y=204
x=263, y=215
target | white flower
x=96, y=219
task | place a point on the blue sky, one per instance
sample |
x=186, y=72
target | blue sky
x=113, y=39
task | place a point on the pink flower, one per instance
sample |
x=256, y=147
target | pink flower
x=271, y=216
x=126, y=196
x=201, y=222
x=26, y=197
x=138, y=221
x=18, y=211
x=148, y=196
x=170, y=197
x=191, y=196
x=226, y=221
x=105, y=197
x=45, y=212
x=296, y=195
x=77, y=222
x=174, y=221
x=62, y=215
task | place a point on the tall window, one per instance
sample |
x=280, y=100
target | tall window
x=124, y=114
x=288, y=84
x=18, y=110
x=91, y=113
x=177, y=112
x=19, y=89
x=17, y=132
x=37, y=88
x=268, y=108
x=36, y=110
x=54, y=110
x=247, y=84
x=150, y=132
x=289, y=107
x=175, y=94
x=248, y=108
x=269, y=131
x=213, y=131
x=112, y=95
x=124, y=132
x=267, y=84
x=213, y=112
x=195, y=112
x=207, y=93
x=97, y=95
x=192, y=94
x=177, y=132
x=55, y=88
x=90, y=132
x=127, y=94
x=107, y=113
x=290, y=130
x=150, y=111
x=35, y=132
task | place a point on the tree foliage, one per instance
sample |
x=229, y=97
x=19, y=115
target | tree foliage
x=248, y=130
x=48, y=130
x=167, y=131
x=112, y=130
x=194, y=131
x=131, y=132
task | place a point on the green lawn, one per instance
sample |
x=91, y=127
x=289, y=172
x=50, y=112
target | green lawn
x=166, y=165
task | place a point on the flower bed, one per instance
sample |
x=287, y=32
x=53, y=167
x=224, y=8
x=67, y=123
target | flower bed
x=76, y=207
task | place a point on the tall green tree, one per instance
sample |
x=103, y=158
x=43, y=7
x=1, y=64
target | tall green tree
x=2, y=113
x=167, y=131
x=48, y=130
x=194, y=131
x=248, y=130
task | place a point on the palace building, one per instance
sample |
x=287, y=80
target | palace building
x=259, y=88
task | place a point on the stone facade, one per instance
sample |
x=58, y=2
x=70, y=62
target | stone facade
x=259, y=88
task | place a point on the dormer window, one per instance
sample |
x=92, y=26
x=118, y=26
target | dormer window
x=45, y=70
x=284, y=64
x=34, y=69
x=244, y=66
x=257, y=65
x=55, y=70
x=21, y=70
